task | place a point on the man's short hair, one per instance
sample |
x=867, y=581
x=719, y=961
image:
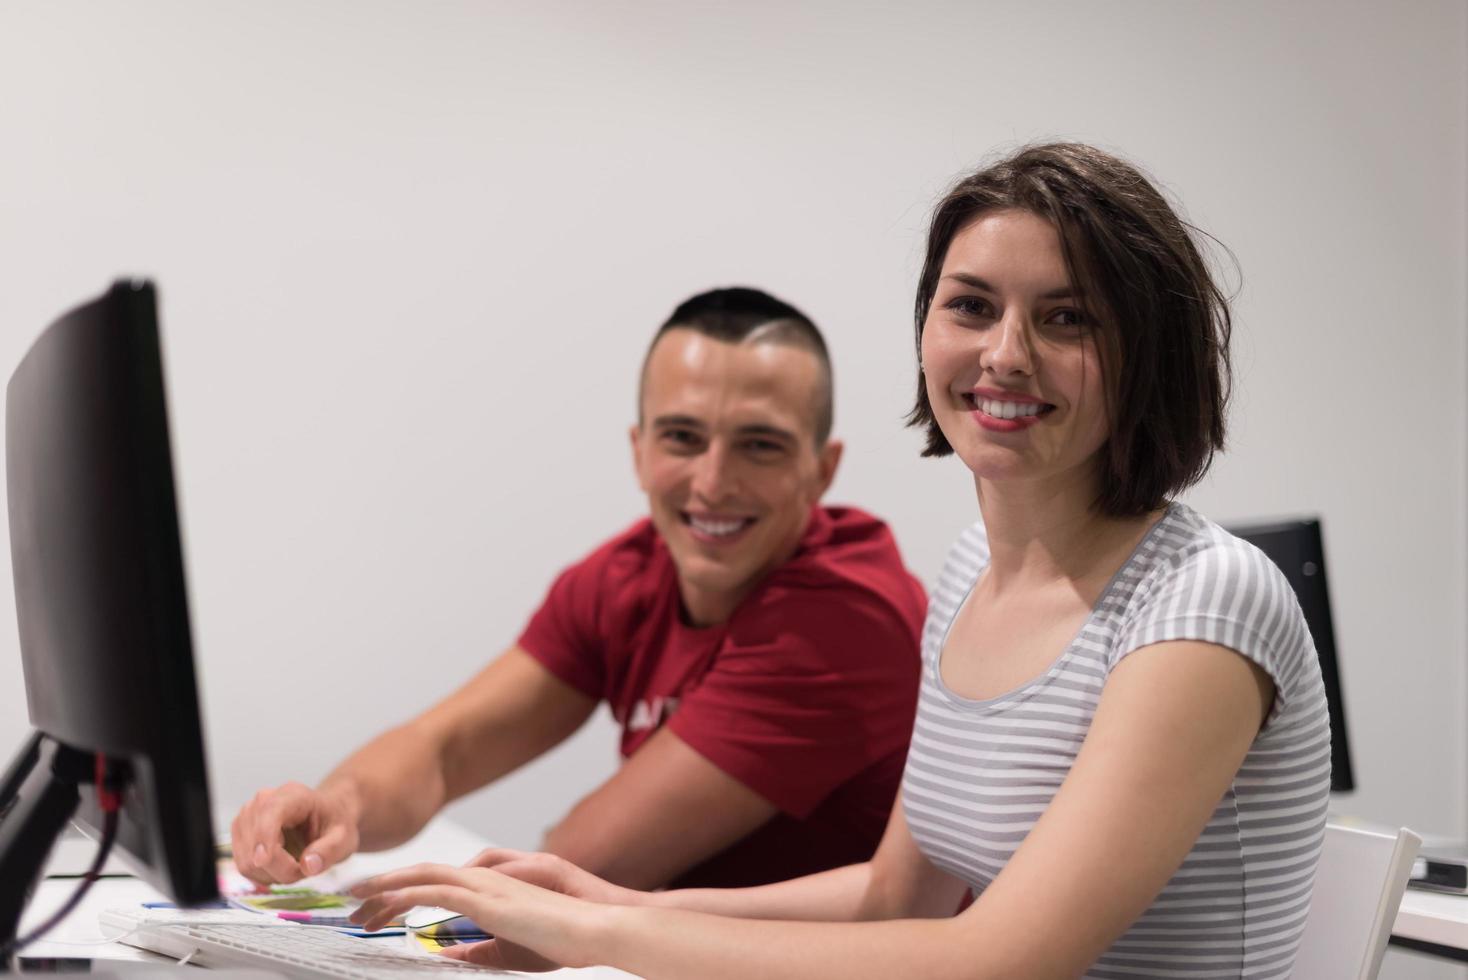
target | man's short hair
x=739, y=314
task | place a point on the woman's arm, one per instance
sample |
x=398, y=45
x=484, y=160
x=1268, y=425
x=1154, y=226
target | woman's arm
x=1174, y=723
x=898, y=882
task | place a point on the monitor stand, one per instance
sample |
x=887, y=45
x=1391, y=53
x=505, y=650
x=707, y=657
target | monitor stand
x=37, y=798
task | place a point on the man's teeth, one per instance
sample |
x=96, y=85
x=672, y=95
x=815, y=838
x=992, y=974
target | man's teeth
x=716, y=528
x=1008, y=410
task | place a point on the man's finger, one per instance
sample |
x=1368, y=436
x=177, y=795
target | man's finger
x=241, y=846
x=274, y=861
x=285, y=807
x=332, y=847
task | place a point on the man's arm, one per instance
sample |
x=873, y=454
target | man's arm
x=834, y=675
x=508, y=714
x=667, y=809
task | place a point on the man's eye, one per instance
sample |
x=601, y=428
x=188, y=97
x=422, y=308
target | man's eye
x=764, y=446
x=681, y=438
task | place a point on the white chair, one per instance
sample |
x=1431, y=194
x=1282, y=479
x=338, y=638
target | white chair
x=1358, y=887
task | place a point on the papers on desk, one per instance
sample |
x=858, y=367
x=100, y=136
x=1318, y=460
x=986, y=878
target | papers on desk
x=309, y=907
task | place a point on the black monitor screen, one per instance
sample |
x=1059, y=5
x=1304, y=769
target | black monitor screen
x=1296, y=547
x=99, y=579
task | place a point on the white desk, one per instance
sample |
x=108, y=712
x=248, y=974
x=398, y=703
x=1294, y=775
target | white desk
x=80, y=935
x=1426, y=921
x=1433, y=923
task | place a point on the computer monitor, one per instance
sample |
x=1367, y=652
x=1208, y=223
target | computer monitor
x=1297, y=548
x=101, y=607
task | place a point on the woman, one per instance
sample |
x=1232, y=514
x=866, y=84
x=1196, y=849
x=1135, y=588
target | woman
x=1121, y=748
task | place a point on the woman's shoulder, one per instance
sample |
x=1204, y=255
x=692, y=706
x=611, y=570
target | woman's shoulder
x=1191, y=570
x=1185, y=544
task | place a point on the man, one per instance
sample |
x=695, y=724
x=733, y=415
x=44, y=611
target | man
x=759, y=651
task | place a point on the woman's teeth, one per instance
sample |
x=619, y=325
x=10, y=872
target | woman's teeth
x=1008, y=410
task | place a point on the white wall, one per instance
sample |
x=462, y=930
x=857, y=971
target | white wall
x=410, y=255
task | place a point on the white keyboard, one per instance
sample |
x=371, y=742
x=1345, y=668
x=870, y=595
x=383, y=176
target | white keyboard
x=223, y=939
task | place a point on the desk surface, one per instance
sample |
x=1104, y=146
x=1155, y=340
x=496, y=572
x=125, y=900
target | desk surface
x=1427, y=917
x=80, y=935
x=1433, y=917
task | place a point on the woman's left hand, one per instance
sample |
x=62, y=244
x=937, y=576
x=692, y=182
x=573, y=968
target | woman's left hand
x=534, y=928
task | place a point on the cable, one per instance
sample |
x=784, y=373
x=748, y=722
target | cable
x=110, y=801
x=96, y=942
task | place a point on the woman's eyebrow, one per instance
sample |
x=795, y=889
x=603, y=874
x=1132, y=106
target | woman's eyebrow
x=975, y=282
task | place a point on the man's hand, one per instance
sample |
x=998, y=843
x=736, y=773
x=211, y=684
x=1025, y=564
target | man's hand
x=291, y=832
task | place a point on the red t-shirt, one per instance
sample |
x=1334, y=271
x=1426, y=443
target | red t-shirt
x=806, y=694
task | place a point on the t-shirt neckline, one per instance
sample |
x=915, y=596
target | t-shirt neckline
x=1025, y=689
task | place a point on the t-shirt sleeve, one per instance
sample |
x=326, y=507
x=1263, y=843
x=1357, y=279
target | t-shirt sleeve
x=562, y=634
x=805, y=695
x=1230, y=594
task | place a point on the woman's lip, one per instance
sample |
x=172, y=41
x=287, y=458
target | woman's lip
x=1003, y=425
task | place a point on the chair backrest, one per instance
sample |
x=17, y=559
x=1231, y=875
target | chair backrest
x=1358, y=887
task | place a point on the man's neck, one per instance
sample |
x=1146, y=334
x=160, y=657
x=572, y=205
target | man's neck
x=703, y=607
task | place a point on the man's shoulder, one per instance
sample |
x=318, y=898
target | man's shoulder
x=845, y=547
x=630, y=564
x=634, y=547
x=848, y=573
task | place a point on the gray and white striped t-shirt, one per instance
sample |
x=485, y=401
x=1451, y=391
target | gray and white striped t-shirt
x=980, y=773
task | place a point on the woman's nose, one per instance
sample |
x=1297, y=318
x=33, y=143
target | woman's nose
x=1011, y=348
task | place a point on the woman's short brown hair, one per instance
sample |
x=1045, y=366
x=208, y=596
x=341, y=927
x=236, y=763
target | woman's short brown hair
x=1164, y=324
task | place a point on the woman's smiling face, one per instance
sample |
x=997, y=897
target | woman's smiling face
x=1010, y=356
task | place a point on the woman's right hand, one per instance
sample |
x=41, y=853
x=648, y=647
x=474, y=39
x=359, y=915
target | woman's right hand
x=534, y=928
x=556, y=874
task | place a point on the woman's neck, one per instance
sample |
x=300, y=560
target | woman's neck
x=1043, y=531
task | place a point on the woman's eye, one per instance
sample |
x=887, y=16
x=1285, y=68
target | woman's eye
x=970, y=306
x=1073, y=320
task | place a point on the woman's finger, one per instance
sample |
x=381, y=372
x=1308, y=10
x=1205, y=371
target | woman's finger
x=500, y=955
x=491, y=856
x=486, y=953
x=417, y=874
x=452, y=897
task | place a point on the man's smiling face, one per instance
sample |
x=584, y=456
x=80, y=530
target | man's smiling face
x=726, y=453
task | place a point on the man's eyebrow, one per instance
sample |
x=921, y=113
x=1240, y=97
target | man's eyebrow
x=681, y=421
x=763, y=429
x=1064, y=292
x=785, y=435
